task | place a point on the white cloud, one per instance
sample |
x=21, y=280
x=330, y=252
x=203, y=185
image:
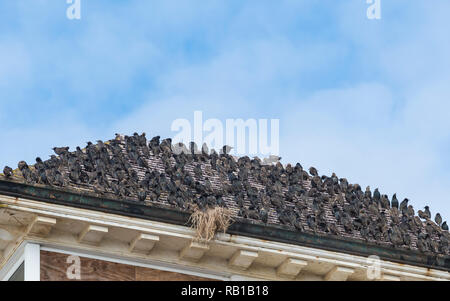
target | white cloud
x=384, y=125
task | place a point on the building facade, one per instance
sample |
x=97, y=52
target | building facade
x=120, y=210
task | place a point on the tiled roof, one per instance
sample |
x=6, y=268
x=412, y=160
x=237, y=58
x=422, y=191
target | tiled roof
x=132, y=168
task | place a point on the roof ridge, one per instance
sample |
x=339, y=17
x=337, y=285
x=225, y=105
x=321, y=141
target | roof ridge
x=274, y=193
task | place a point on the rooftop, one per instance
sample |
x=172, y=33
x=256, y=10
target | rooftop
x=156, y=180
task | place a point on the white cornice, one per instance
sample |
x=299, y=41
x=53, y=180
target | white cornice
x=173, y=239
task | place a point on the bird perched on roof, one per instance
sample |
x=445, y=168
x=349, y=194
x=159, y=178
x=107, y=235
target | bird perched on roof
x=226, y=149
x=385, y=201
x=205, y=149
x=193, y=149
x=61, y=150
x=444, y=226
x=198, y=171
x=313, y=172
x=343, y=184
x=142, y=195
x=368, y=193
x=425, y=214
x=29, y=176
x=8, y=171
x=410, y=211
x=271, y=160
x=438, y=219
x=404, y=205
x=376, y=195
x=395, y=236
x=263, y=215
x=394, y=202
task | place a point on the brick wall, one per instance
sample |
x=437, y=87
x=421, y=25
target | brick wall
x=63, y=267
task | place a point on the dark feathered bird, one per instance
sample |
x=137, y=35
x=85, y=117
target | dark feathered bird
x=205, y=150
x=385, y=201
x=198, y=171
x=368, y=193
x=193, y=148
x=376, y=195
x=263, y=215
x=427, y=211
x=60, y=150
x=404, y=204
x=226, y=149
x=8, y=171
x=438, y=219
x=142, y=195
x=313, y=172
x=445, y=226
x=394, y=202
x=141, y=162
x=425, y=214
x=410, y=211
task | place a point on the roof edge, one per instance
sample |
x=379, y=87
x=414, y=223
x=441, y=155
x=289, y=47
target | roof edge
x=271, y=232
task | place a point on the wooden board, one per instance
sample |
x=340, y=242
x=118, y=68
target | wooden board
x=54, y=267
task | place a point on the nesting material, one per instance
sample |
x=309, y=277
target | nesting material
x=208, y=222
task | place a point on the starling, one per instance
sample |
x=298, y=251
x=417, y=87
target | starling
x=226, y=150
x=376, y=195
x=368, y=193
x=445, y=226
x=142, y=195
x=198, y=171
x=60, y=150
x=8, y=171
x=438, y=219
x=394, y=202
x=425, y=214
x=313, y=172
x=385, y=201
x=404, y=204
x=263, y=215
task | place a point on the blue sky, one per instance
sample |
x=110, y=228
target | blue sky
x=367, y=99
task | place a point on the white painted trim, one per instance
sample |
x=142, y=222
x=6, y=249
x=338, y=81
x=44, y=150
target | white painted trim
x=163, y=266
x=273, y=248
x=13, y=263
x=32, y=257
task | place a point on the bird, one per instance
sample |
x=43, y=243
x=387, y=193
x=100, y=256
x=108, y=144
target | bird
x=193, y=148
x=394, y=202
x=142, y=195
x=438, y=219
x=425, y=214
x=404, y=204
x=313, y=172
x=225, y=150
x=263, y=214
x=60, y=150
x=368, y=193
x=8, y=171
x=444, y=226
x=376, y=195
x=427, y=211
x=198, y=171
x=271, y=159
x=410, y=211
x=205, y=149
x=385, y=201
